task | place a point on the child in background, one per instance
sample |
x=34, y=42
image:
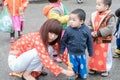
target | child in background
x=117, y=33
x=102, y=24
x=57, y=11
x=16, y=9
x=76, y=39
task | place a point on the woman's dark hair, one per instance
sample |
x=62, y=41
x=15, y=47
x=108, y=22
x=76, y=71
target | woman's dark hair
x=81, y=13
x=53, y=26
x=117, y=12
x=52, y=1
x=107, y=2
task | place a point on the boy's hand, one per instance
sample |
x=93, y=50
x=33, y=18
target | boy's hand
x=94, y=34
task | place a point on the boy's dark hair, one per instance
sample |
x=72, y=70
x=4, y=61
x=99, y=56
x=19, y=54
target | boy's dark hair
x=117, y=12
x=81, y=13
x=107, y=2
x=52, y=1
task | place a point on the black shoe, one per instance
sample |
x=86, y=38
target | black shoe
x=43, y=73
x=23, y=78
x=92, y=72
x=80, y=79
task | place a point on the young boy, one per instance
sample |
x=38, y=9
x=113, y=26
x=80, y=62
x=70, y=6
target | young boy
x=76, y=39
x=102, y=25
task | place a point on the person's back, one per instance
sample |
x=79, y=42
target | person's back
x=57, y=11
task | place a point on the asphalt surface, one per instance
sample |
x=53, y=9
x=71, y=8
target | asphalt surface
x=34, y=19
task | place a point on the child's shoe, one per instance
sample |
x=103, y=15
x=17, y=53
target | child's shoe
x=12, y=39
x=79, y=1
x=116, y=55
x=105, y=74
x=92, y=72
x=80, y=78
x=72, y=78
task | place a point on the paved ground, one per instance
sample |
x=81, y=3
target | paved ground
x=34, y=19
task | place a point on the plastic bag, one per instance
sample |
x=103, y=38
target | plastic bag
x=6, y=24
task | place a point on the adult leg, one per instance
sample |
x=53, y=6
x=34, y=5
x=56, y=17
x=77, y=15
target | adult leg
x=26, y=61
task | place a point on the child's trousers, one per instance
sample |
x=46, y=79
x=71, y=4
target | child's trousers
x=78, y=64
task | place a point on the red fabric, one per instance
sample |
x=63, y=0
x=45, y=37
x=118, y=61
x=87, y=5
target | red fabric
x=98, y=60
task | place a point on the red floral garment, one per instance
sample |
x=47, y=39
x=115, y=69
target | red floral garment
x=98, y=60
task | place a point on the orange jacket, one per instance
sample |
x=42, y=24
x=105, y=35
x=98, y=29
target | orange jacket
x=15, y=5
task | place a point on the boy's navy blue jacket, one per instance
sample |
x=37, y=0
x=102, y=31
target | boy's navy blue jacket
x=76, y=40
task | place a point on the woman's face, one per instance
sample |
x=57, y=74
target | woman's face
x=52, y=37
x=100, y=6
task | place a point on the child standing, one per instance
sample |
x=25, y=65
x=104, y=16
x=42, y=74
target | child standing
x=57, y=11
x=117, y=33
x=102, y=25
x=76, y=39
x=16, y=9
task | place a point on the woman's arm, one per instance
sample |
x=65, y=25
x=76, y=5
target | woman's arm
x=47, y=62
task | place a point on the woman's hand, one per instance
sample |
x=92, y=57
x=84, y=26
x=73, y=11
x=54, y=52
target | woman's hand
x=94, y=34
x=69, y=73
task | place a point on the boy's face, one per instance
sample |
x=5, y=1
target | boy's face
x=74, y=21
x=100, y=6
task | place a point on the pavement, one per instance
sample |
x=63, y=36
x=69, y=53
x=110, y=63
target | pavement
x=34, y=18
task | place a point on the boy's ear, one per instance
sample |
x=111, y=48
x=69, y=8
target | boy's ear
x=82, y=21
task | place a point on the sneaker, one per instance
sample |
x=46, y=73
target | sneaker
x=43, y=73
x=12, y=39
x=72, y=78
x=22, y=78
x=116, y=55
x=79, y=1
x=104, y=74
x=57, y=59
x=81, y=79
x=117, y=51
x=19, y=36
x=92, y=72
